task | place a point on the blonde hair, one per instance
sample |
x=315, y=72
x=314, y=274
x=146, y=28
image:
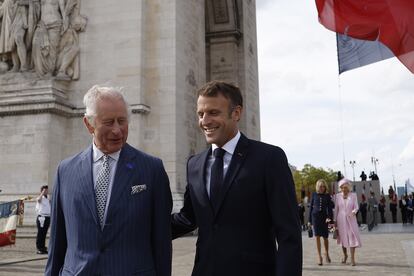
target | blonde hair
x=320, y=183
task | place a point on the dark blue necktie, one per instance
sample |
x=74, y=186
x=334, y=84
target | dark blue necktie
x=216, y=178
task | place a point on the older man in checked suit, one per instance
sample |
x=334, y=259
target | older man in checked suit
x=111, y=203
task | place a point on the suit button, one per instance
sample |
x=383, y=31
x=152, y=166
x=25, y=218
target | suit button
x=215, y=226
x=102, y=250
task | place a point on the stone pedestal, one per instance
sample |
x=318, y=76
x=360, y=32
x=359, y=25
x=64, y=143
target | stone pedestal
x=26, y=93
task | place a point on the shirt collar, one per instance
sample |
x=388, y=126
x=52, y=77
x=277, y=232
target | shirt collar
x=230, y=146
x=97, y=153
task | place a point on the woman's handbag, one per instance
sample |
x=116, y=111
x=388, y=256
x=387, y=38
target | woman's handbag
x=310, y=232
x=335, y=234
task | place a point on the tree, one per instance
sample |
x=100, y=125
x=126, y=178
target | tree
x=305, y=179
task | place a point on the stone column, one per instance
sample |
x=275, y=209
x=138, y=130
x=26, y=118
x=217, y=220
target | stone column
x=232, y=53
x=174, y=67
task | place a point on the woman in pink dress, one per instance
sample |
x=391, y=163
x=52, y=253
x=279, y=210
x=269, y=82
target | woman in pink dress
x=346, y=207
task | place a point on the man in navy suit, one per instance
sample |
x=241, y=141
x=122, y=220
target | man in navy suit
x=111, y=204
x=240, y=194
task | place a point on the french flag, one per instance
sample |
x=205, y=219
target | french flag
x=370, y=30
x=8, y=221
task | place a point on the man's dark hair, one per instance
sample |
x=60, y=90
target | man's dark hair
x=43, y=187
x=228, y=90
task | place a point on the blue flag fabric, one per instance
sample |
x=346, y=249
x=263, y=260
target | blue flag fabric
x=354, y=53
x=8, y=222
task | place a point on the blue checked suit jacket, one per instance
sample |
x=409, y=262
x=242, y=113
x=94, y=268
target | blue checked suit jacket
x=136, y=238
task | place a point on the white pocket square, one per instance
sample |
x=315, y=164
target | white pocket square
x=138, y=188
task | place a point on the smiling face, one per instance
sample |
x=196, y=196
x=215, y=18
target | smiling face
x=217, y=119
x=322, y=189
x=345, y=189
x=110, y=128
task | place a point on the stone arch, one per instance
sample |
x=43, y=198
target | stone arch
x=223, y=17
x=231, y=53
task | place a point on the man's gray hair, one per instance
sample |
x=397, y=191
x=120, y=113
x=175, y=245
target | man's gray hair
x=100, y=92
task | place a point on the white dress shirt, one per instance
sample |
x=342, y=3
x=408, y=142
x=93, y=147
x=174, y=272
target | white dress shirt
x=229, y=147
x=43, y=207
x=97, y=166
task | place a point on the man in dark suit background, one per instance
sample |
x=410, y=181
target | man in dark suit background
x=240, y=194
x=111, y=204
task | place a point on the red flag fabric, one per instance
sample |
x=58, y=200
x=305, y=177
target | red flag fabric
x=389, y=21
x=8, y=221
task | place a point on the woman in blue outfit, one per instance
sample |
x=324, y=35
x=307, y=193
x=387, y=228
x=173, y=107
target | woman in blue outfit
x=320, y=214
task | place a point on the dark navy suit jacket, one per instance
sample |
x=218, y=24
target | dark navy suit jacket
x=136, y=238
x=257, y=208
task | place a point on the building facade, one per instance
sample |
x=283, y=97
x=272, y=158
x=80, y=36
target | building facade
x=159, y=51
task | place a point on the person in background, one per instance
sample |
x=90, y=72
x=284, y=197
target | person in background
x=363, y=176
x=403, y=208
x=390, y=192
x=301, y=210
x=320, y=214
x=42, y=219
x=393, y=206
x=363, y=210
x=410, y=209
x=372, y=211
x=381, y=208
x=346, y=207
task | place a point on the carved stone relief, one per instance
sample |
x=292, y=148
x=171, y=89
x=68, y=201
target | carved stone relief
x=221, y=12
x=41, y=36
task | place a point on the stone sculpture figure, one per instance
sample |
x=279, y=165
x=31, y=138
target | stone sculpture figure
x=47, y=36
x=33, y=19
x=68, y=57
x=41, y=50
x=7, y=14
x=41, y=34
x=17, y=33
x=19, y=19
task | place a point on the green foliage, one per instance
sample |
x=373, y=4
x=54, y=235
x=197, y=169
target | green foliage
x=308, y=176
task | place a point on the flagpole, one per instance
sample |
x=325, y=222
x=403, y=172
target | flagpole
x=341, y=118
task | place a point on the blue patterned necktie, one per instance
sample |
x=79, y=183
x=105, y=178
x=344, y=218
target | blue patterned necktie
x=101, y=188
x=216, y=179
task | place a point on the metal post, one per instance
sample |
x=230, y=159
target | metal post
x=352, y=163
x=374, y=161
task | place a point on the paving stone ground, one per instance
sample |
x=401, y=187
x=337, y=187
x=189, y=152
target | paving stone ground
x=386, y=251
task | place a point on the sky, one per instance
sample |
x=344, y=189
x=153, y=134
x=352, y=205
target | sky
x=319, y=117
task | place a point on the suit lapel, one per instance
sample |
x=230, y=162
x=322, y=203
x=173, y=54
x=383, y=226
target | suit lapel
x=123, y=174
x=86, y=183
x=239, y=155
x=200, y=180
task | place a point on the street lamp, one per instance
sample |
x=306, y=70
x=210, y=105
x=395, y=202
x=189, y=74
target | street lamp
x=374, y=161
x=393, y=175
x=352, y=163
